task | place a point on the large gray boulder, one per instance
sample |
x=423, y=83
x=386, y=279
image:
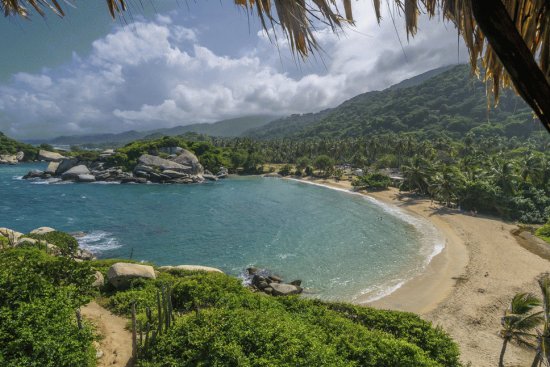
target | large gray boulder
x=86, y=178
x=45, y=155
x=65, y=165
x=161, y=163
x=189, y=159
x=99, y=280
x=42, y=230
x=74, y=172
x=120, y=274
x=281, y=289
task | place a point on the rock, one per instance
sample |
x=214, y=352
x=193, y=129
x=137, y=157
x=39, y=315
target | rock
x=137, y=180
x=108, y=152
x=209, y=177
x=73, y=173
x=11, y=234
x=120, y=274
x=35, y=173
x=8, y=159
x=52, y=168
x=163, y=164
x=268, y=290
x=86, y=178
x=171, y=150
x=53, y=249
x=252, y=270
x=26, y=241
x=281, y=289
x=262, y=285
x=20, y=156
x=83, y=254
x=174, y=174
x=144, y=168
x=48, y=156
x=65, y=165
x=257, y=279
x=99, y=280
x=42, y=230
x=296, y=282
x=192, y=268
x=276, y=279
x=223, y=173
x=189, y=159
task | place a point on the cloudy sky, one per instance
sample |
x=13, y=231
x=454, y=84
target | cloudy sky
x=198, y=62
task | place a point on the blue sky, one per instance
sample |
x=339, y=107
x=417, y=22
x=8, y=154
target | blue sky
x=194, y=62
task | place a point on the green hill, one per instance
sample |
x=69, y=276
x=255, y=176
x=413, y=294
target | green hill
x=11, y=146
x=452, y=103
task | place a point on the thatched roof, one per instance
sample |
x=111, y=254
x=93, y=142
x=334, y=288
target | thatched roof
x=510, y=37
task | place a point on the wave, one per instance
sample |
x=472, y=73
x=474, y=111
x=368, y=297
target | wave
x=431, y=239
x=98, y=241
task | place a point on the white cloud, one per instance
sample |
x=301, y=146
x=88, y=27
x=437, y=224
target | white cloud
x=153, y=74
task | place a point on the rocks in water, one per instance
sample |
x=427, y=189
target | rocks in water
x=99, y=280
x=45, y=155
x=8, y=159
x=35, y=173
x=192, y=268
x=222, y=173
x=281, y=289
x=86, y=178
x=42, y=230
x=209, y=177
x=120, y=274
x=189, y=159
x=263, y=281
x=75, y=172
x=65, y=165
x=135, y=180
x=52, y=168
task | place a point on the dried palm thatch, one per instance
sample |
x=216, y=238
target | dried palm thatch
x=510, y=37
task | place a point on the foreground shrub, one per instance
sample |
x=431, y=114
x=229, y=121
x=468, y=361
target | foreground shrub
x=67, y=243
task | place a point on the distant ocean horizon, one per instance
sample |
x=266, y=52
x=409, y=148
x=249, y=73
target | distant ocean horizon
x=342, y=246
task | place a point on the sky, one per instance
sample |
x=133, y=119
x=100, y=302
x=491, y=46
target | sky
x=168, y=64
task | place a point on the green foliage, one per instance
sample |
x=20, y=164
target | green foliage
x=67, y=243
x=373, y=181
x=544, y=232
x=10, y=146
x=285, y=170
x=220, y=323
x=40, y=294
x=324, y=163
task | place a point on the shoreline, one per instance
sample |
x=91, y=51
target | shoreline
x=468, y=285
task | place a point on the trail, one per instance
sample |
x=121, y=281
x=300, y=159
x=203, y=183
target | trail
x=116, y=342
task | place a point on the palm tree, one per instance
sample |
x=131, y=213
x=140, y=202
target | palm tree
x=417, y=174
x=518, y=320
x=543, y=339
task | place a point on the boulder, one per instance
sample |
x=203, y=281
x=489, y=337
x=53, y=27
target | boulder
x=86, y=178
x=20, y=156
x=296, y=282
x=189, y=159
x=163, y=164
x=52, y=168
x=209, y=177
x=281, y=289
x=136, y=180
x=25, y=241
x=222, y=173
x=120, y=274
x=42, y=230
x=10, y=233
x=8, y=159
x=99, y=280
x=174, y=174
x=192, y=268
x=74, y=172
x=83, y=254
x=65, y=165
x=48, y=156
x=35, y=173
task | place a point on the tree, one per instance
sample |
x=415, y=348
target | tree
x=518, y=320
x=417, y=174
x=324, y=164
x=543, y=339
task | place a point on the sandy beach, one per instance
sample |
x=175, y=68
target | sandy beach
x=466, y=288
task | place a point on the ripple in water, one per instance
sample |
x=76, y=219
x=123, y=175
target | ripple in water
x=98, y=241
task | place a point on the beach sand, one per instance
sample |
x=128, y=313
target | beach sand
x=467, y=287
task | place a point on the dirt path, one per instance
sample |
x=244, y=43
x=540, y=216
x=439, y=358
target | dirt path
x=116, y=343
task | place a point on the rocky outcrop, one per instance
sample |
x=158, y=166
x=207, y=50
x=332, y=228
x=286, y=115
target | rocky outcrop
x=75, y=172
x=65, y=165
x=42, y=230
x=45, y=155
x=188, y=159
x=222, y=173
x=192, y=268
x=121, y=274
x=52, y=168
x=161, y=164
x=8, y=159
x=20, y=156
x=263, y=281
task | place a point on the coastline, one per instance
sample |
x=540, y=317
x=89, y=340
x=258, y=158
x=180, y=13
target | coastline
x=468, y=285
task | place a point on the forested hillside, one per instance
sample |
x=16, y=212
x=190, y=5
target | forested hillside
x=452, y=103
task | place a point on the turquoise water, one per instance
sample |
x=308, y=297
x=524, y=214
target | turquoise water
x=340, y=245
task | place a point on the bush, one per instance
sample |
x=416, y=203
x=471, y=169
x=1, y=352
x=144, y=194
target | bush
x=285, y=170
x=66, y=243
x=544, y=232
x=374, y=181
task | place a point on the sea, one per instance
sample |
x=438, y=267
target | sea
x=343, y=246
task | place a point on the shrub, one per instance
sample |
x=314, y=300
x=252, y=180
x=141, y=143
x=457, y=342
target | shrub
x=285, y=170
x=66, y=243
x=544, y=232
x=374, y=181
